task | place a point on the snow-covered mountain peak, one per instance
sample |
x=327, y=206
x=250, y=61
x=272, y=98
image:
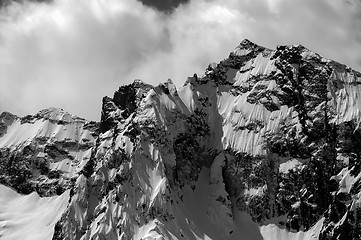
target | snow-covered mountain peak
x=56, y=115
x=54, y=124
x=247, y=47
x=124, y=103
x=50, y=147
x=6, y=119
x=265, y=145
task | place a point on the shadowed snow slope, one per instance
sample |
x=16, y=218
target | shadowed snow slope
x=266, y=145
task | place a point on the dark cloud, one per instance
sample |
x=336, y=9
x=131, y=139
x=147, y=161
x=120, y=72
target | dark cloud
x=164, y=5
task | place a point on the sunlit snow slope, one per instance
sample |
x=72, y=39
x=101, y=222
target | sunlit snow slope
x=29, y=216
x=266, y=145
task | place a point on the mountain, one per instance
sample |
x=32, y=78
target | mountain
x=266, y=145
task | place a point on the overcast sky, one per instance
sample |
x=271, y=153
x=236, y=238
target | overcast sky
x=71, y=53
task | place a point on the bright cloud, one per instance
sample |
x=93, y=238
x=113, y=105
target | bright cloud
x=72, y=53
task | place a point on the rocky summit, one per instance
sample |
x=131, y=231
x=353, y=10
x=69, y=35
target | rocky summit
x=265, y=145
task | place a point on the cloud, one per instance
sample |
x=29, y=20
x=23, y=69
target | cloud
x=72, y=53
x=164, y=5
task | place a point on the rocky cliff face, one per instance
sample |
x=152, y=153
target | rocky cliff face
x=44, y=152
x=265, y=145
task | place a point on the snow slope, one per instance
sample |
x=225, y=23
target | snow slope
x=29, y=216
x=51, y=124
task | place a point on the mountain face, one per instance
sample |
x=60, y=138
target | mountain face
x=266, y=145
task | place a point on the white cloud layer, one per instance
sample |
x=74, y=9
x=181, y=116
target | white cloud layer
x=70, y=54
